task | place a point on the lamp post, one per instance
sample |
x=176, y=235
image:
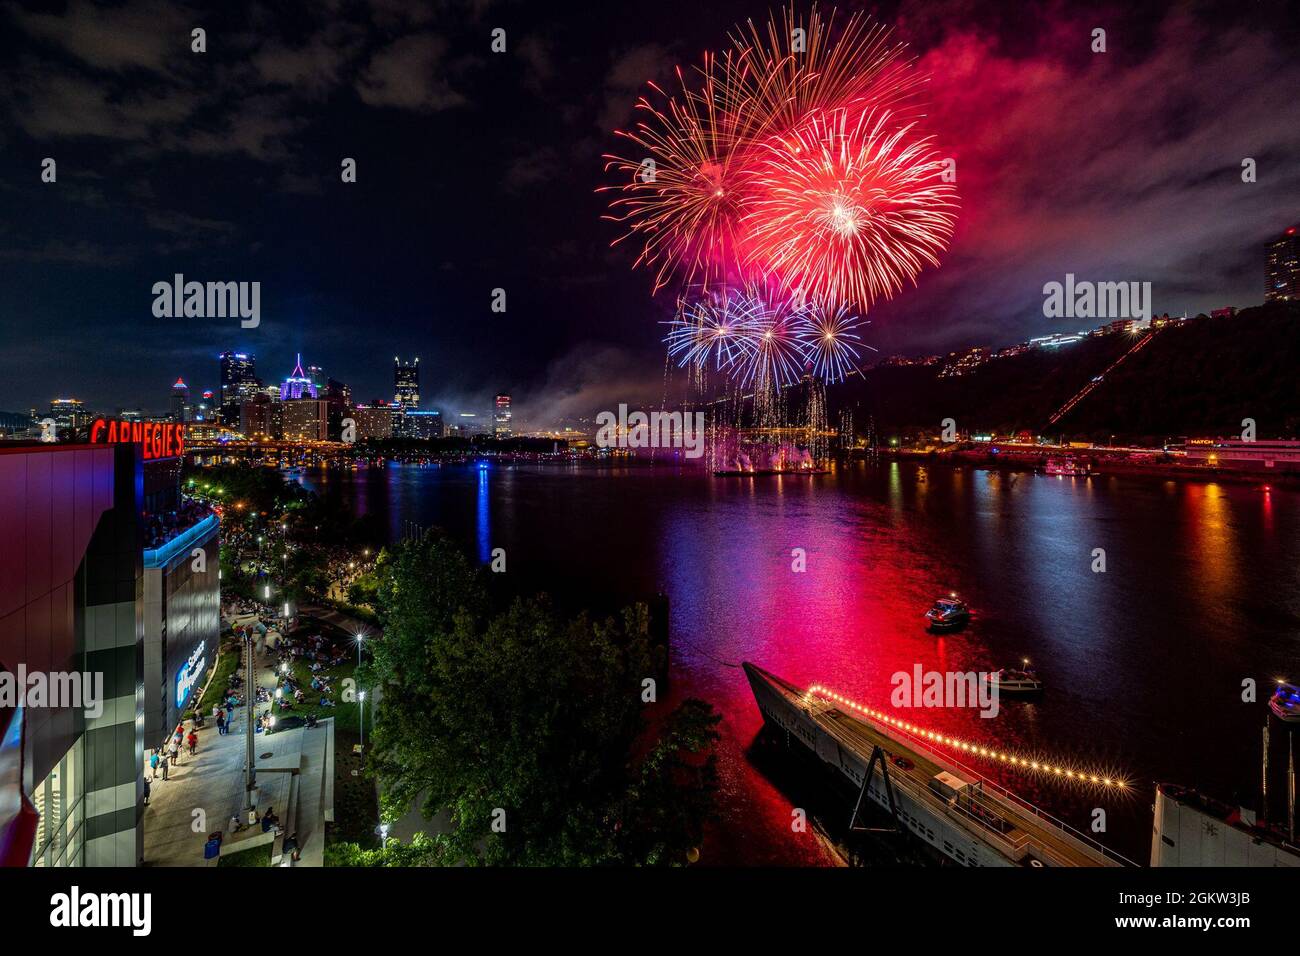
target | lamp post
x=250, y=703
x=361, y=706
x=360, y=638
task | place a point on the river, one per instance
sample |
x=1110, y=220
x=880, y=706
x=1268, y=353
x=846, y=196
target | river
x=1144, y=662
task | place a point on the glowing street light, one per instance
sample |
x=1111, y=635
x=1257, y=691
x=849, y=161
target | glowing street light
x=361, y=709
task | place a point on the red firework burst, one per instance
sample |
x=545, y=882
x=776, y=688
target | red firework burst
x=847, y=208
x=787, y=70
x=682, y=195
x=790, y=162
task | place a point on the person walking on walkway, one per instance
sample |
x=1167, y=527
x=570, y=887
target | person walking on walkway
x=174, y=751
x=193, y=741
x=221, y=721
x=165, y=764
x=153, y=764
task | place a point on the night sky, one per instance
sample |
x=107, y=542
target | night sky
x=477, y=171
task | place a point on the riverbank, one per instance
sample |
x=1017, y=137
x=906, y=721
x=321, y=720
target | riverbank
x=1101, y=462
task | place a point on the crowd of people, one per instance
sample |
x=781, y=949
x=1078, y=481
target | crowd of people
x=321, y=655
x=342, y=567
x=168, y=755
x=161, y=527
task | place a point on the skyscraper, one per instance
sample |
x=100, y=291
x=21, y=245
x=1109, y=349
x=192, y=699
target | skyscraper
x=501, y=417
x=69, y=415
x=338, y=396
x=306, y=419
x=298, y=385
x=180, y=404
x=1284, y=267
x=406, y=383
x=238, y=384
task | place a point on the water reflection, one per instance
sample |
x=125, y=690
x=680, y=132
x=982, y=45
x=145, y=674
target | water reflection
x=1143, y=661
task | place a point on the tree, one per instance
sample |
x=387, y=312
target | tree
x=529, y=726
x=419, y=852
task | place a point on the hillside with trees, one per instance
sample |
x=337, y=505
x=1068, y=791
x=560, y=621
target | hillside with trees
x=1199, y=377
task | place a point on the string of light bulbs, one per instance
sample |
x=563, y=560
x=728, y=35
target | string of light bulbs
x=1051, y=768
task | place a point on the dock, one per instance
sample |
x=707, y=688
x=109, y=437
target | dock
x=969, y=819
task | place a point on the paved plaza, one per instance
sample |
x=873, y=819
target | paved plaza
x=294, y=769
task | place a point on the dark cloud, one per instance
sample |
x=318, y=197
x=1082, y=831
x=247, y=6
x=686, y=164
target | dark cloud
x=1123, y=165
x=406, y=74
x=626, y=80
x=152, y=35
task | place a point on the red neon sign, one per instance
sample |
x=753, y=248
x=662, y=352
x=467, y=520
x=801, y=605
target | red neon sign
x=156, y=439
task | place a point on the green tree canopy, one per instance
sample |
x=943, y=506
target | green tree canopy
x=523, y=710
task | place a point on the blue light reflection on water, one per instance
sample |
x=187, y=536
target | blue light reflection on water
x=1144, y=662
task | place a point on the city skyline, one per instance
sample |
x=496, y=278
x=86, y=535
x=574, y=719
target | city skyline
x=1281, y=266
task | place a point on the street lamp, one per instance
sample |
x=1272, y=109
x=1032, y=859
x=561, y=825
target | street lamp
x=360, y=639
x=383, y=836
x=361, y=701
x=250, y=704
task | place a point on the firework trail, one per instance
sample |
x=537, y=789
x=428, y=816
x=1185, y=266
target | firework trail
x=848, y=208
x=782, y=73
x=830, y=342
x=682, y=197
x=774, y=349
x=710, y=333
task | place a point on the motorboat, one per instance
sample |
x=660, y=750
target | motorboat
x=947, y=614
x=1285, y=703
x=1016, y=680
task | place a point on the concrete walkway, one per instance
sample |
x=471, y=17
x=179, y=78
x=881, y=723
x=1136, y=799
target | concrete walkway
x=204, y=790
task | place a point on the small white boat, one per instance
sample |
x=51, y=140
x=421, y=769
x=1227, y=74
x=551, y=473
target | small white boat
x=1285, y=703
x=1016, y=680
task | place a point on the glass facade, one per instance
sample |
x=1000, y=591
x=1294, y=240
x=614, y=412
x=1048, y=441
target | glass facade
x=60, y=800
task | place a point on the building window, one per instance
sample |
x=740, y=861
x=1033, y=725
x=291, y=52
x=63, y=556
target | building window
x=58, y=799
